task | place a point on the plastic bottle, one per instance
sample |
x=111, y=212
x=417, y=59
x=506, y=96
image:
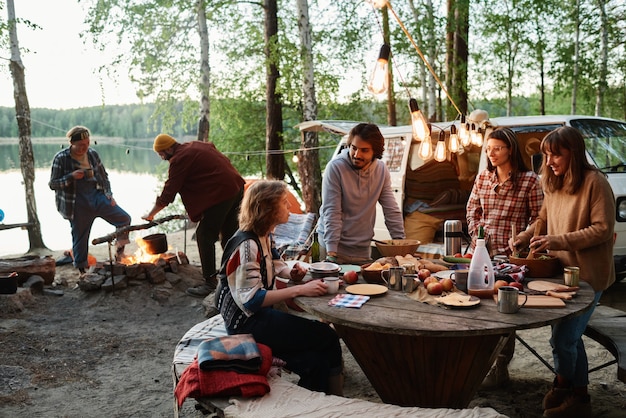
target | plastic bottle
x=480, y=279
x=315, y=249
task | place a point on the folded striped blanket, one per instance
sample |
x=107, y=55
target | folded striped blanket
x=238, y=353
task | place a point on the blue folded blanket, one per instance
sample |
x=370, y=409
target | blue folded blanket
x=238, y=353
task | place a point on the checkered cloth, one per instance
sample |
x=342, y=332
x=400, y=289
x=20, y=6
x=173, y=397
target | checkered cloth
x=510, y=272
x=345, y=300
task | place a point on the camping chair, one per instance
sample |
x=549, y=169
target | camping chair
x=294, y=238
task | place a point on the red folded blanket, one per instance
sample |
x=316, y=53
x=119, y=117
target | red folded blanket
x=197, y=383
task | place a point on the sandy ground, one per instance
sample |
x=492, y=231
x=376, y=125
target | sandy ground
x=108, y=354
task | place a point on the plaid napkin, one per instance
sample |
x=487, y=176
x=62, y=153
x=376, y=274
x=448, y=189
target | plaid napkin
x=510, y=272
x=345, y=300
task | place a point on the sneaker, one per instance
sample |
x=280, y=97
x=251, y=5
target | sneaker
x=201, y=291
x=574, y=406
x=555, y=397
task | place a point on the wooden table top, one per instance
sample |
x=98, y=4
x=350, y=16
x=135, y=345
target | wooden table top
x=395, y=313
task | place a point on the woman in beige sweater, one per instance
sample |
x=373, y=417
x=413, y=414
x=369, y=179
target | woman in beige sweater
x=579, y=211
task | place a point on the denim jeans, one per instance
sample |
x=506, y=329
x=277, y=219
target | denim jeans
x=568, y=349
x=219, y=222
x=90, y=204
x=310, y=348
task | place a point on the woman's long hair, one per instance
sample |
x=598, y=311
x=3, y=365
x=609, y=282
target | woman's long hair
x=260, y=206
x=570, y=139
x=518, y=165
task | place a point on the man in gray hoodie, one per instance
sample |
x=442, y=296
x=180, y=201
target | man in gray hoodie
x=352, y=184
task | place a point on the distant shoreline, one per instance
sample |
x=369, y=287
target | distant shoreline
x=63, y=140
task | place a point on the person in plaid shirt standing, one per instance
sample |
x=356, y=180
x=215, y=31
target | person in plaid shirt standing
x=506, y=193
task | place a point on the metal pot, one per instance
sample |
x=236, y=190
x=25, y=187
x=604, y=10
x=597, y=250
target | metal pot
x=324, y=269
x=8, y=283
x=155, y=243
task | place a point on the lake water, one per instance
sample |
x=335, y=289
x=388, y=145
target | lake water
x=133, y=171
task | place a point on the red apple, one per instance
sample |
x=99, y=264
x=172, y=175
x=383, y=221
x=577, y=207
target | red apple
x=434, y=288
x=458, y=255
x=468, y=255
x=447, y=284
x=350, y=277
x=423, y=273
x=498, y=284
x=430, y=279
x=517, y=285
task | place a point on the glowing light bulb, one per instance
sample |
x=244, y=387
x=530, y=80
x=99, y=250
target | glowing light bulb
x=379, y=80
x=295, y=157
x=478, y=138
x=420, y=126
x=440, y=150
x=453, y=144
x=464, y=132
x=426, y=149
x=379, y=4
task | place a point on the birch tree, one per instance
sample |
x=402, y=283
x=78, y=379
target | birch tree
x=22, y=114
x=309, y=167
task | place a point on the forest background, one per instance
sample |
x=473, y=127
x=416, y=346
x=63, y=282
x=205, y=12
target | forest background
x=243, y=74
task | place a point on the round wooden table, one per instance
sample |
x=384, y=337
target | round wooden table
x=416, y=354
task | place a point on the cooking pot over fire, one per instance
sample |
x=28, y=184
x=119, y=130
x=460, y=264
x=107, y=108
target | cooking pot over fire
x=155, y=243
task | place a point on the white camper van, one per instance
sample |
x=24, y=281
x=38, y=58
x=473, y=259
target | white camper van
x=432, y=192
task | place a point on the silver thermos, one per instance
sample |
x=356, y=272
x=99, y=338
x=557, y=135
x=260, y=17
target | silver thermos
x=452, y=233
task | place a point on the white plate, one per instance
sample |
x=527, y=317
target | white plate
x=291, y=263
x=349, y=267
x=366, y=289
x=444, y=274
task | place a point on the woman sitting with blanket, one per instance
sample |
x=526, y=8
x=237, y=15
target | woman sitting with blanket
x=247, y=293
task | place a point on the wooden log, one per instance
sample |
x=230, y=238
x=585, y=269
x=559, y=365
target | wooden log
x=30, y=265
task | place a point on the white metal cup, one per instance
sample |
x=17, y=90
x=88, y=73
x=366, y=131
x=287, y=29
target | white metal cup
x=508, y=300
x=332, y=283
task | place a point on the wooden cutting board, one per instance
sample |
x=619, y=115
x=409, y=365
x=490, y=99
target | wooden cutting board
x=539, y=301
x=544, y=285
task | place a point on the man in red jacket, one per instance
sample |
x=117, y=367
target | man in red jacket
x=211, y=190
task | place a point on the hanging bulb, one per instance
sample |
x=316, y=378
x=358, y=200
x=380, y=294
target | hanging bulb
x=295, y=157
x=426, y=149
x=478, y=138
x=378, y=4
x=420, y=126
x=379, y=80
x=472, y=134
x=453, y=145
x=440, y=150
x=464, y=132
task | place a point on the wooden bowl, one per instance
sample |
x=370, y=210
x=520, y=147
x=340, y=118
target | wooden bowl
x=373, y=276
x=543, y=265
x=394, y=247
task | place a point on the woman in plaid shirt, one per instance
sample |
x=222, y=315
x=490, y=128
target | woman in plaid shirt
x=505, y=193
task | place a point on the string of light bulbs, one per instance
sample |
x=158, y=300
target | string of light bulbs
x=378, y=83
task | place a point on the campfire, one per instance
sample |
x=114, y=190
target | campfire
x=150, y=262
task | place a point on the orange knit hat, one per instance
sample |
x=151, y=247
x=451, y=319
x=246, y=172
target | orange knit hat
x=163, y=142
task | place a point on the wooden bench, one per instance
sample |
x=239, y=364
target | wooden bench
x=608, y=327
x=288, y=399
